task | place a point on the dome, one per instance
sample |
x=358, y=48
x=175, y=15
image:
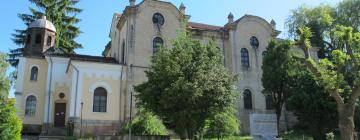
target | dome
x=43, y=23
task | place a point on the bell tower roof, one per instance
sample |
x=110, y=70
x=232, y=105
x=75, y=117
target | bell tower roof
x=43, y=23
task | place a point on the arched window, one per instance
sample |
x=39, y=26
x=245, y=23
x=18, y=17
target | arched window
x=48, y=41
x=28, y=39
x=269, y=102
x=30, y=106
x=100, y=97
x=34, y=73
x=245, y=58
x=254, y=42
x=38, y=39
x=247, y=99
x=157, y=43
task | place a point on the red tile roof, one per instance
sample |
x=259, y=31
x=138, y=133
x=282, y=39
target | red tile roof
x=201, y=26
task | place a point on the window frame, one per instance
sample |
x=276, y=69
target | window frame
x=98, y=101
x=155, y=19
x=32, y=72
x=245, y=58
x=254, y=42
x=49, y=41
x=38, y=39
x=155, y=47
x=248, y=103
x=30, y=106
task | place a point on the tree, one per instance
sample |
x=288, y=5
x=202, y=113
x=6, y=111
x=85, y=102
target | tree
x=275, y=77
x=314, y=109
x=145, y=123
x=10, y=124
x=339, y=75
x=222, y=125
x=321, y=19
x=187, y=85
x=62, y=14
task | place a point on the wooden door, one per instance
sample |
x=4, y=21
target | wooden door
x=60, y=111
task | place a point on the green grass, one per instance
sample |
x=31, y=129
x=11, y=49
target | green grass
x=229, y=138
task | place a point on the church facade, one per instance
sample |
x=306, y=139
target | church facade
x=94, y=94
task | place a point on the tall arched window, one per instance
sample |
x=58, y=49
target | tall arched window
x=123, y=52
x=48, y=41
x=245, y=58
x=38, y=39
x=269, y=102
x=28, y=39
x=100, y=99
x=30, y=106
x=247, y=99
x=157, y=43
x=34, y=73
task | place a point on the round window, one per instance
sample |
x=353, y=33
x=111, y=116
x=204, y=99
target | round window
x=61, y=95
x=254, y=42
x=158, y=19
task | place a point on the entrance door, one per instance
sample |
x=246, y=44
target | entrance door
x=60, y=109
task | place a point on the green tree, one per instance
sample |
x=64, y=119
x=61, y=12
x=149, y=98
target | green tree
x=187, y=84
x=10, y=124
x=321, y=19
x=145, y=123
x=339, y=75
x=275, y=77
x=222, y=125
x=62, y=14
x=314, y=109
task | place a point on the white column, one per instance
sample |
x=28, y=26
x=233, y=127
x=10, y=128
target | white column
x=19, y=85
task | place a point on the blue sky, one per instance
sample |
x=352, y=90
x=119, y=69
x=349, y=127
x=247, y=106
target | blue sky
x=97, y=14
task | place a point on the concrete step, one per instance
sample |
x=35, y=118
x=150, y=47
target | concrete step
x=57, y=131
x=52, y=137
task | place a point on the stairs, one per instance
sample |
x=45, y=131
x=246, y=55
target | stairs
x=55, y=133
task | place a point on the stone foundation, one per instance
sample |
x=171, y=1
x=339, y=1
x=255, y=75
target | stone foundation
x=31, y=129
x=95, y=127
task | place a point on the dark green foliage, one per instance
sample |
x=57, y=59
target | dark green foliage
x=145, y=123
x=222, y=125
x=10, y=124
x=276, y=78
x=314, y=108
x=187, y=85
x=62, y=14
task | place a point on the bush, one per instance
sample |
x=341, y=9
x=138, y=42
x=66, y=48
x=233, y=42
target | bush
x=10, y=124
x=222, y=125
x=145, y=123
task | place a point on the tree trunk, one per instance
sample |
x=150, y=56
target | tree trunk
x=278, y=116
x=346, y=121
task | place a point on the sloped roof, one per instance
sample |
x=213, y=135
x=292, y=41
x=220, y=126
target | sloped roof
x=202, y=26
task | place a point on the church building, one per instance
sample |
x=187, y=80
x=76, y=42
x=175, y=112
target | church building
x=94, y=94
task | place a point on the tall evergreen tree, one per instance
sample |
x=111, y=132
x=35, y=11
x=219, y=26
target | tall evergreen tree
x=62, y=14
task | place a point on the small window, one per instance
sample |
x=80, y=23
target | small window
x=34, y=73
x=254, y=42
x=30, y=106
x=48, y=42
x=38, y=39
x=100, y=100
x=158, y=19
x=269, y=102
x=245, y=58
x=247, y=99
x=157, y=43
x=28, y=39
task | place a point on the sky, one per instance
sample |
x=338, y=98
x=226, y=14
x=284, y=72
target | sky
x=97, y=14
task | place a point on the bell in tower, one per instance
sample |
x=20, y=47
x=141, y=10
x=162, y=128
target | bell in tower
x=40, y=37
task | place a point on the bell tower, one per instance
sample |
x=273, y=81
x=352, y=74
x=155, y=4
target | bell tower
x=40, y=36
